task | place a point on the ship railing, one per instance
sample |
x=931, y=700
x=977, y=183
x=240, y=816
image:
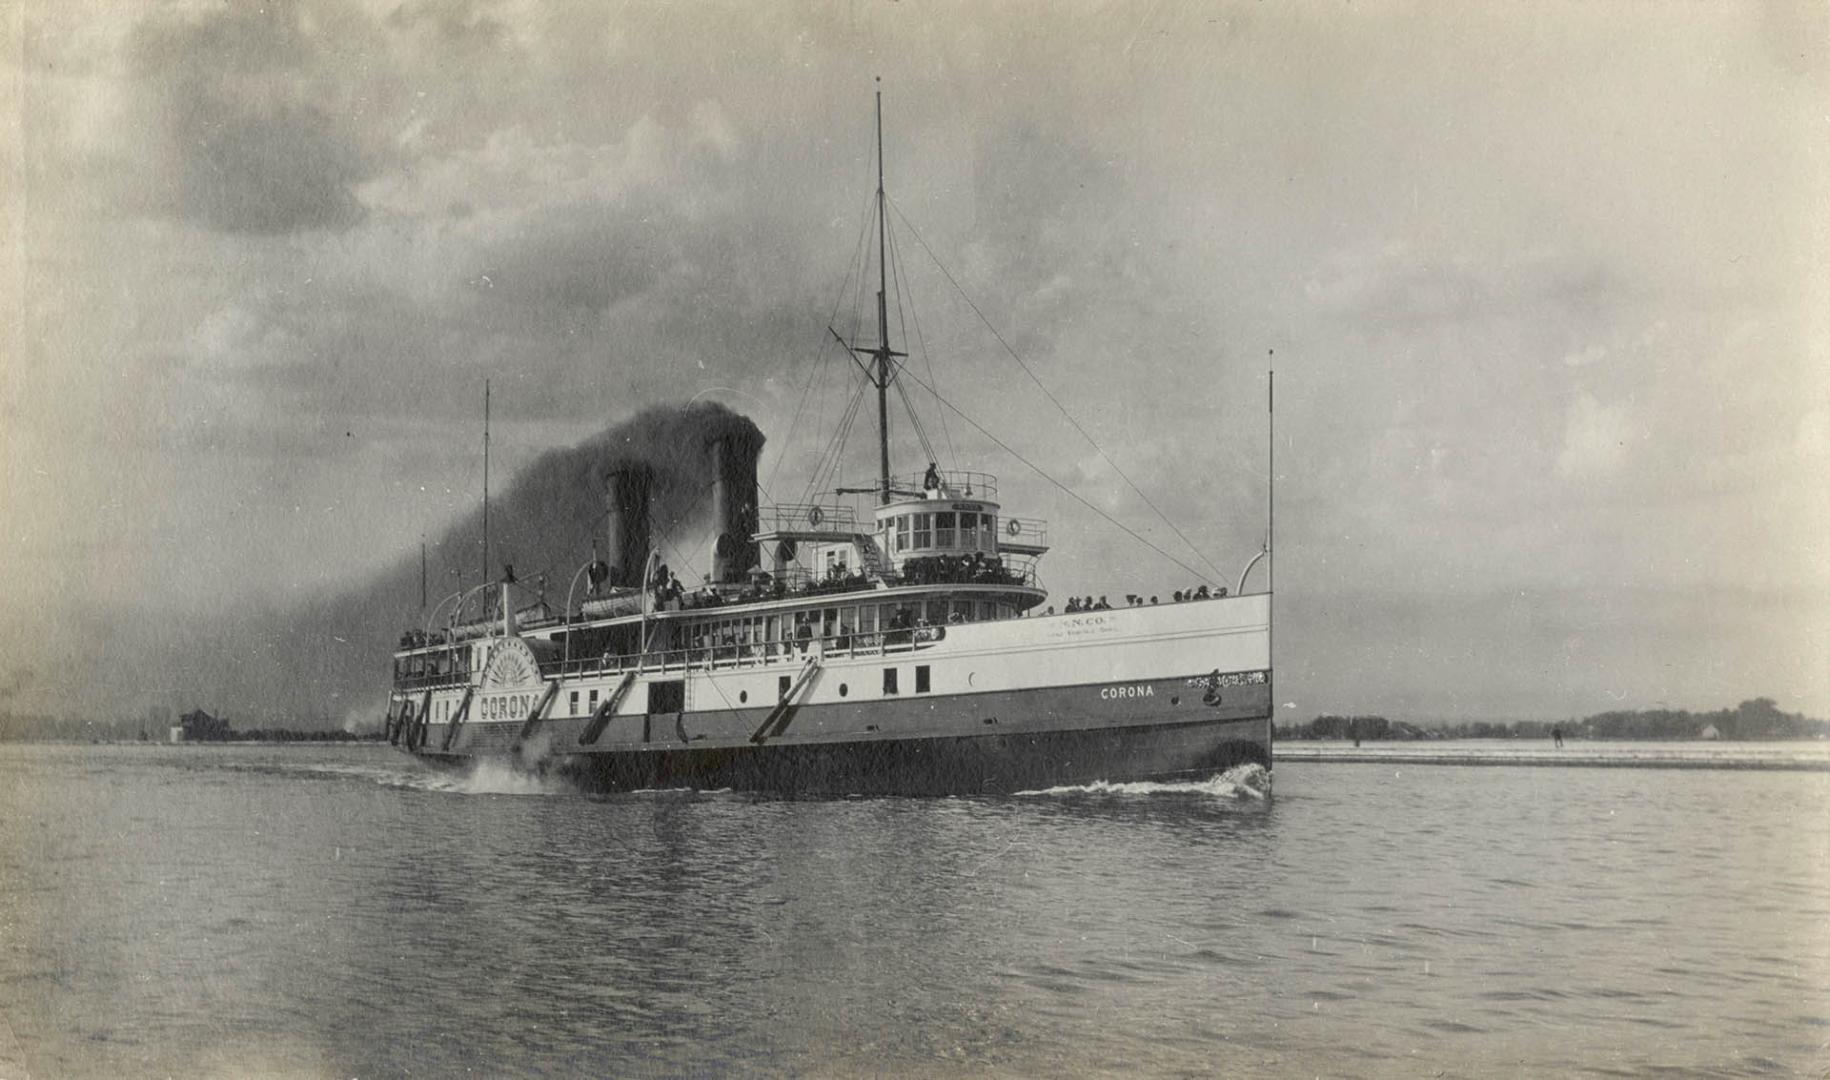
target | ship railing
x=954, y=484
x=807, y=517
x=1023, y=530
x=955, y=570
x=431, y=681
x=755, y=655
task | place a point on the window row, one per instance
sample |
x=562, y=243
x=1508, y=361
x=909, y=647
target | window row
x=947, y=529
x=579, y=705
x=838, y=621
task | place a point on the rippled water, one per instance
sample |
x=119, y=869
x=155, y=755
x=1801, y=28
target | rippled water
x=341, y=912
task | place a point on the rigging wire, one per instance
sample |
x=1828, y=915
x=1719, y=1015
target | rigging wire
x=844, y=436
x=902, y=321
x=1051, y=397
x=1076, y=496
x=831, y=457
x=926, y=356
x=926, y=446
x=825, y=339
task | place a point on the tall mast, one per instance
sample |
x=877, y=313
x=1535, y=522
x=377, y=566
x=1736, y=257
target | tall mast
x=485, y=479
x=881, y=372
x=883, y=323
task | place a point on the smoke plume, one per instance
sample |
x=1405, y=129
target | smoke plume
x=316, y=663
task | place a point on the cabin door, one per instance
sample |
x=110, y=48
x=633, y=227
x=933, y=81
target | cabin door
x=668, y=696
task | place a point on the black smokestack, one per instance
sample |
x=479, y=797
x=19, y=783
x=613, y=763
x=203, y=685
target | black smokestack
x=626, y=489
x=734, y=454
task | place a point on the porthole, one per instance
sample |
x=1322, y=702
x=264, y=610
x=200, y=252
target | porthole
x=742, y=696
x=843, y=689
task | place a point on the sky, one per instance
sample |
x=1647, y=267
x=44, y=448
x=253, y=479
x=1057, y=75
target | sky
x=1543, y=289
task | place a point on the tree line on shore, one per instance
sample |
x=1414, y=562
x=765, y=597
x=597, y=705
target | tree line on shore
x=1759, y=718
x=155, y=727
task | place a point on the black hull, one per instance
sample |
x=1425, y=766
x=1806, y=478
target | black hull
x=961, y=765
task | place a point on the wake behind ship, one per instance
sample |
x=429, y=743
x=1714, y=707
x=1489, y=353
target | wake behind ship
x=872, y=640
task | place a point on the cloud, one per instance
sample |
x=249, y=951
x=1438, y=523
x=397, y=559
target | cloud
x=276, y=251
x=240, y=135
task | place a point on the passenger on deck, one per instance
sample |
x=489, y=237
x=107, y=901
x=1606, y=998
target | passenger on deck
x=930, y=481
x=1102, y=605
x=1222, y=591
x=1178, y=596
x=1201, y=593
x=1073, y=605
x=1153, y=599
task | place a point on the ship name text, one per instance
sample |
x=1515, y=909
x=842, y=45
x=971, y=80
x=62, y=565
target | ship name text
x=506, y=706
x=1111, y=692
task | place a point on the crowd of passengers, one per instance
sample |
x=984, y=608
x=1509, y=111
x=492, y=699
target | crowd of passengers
x=976, y=568
x=1077, y=604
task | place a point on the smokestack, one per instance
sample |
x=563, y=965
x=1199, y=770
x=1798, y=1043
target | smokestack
x=627, y=486
x=734, y=454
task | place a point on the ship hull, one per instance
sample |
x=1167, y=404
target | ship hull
x=1007, y=742
x=1142, y=694
x=978, y=764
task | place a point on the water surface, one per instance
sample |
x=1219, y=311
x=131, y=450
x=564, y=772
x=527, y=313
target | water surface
x=339, y=911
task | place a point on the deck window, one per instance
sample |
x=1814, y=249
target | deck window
x=593, y=701
x=921, y=678
x=572, y=705
x=889, y=681
x=944, y=528
x=902, y=532
x=924, y=530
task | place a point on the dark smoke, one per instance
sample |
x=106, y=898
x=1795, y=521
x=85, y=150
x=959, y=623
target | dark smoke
x=329, y=659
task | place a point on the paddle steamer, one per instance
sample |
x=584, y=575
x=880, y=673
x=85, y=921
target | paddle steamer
x=895, y=639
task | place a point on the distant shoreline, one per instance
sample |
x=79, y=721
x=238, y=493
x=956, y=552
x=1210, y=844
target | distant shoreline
x=1770, y=755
